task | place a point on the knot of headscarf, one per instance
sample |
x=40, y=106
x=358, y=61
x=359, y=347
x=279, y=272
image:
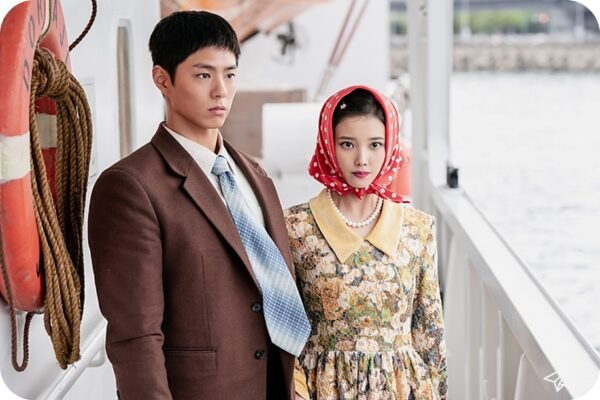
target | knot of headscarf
x=324, y=166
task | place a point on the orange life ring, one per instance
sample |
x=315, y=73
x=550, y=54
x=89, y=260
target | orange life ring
x=20, y=33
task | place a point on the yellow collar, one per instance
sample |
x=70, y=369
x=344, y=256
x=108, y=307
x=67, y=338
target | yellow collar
x=344, y=242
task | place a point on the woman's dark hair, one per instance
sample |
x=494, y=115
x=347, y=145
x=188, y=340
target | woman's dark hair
x=359, y=102
x=182, y=33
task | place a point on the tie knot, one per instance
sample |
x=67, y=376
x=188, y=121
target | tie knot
x=220, y=166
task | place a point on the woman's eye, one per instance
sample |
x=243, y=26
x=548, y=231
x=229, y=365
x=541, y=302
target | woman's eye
x=346, y=145
x=376, y=145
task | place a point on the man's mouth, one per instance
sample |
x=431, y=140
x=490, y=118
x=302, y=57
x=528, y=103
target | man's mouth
x=218, y=110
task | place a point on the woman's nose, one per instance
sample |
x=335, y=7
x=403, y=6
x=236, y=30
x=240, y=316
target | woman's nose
x=361, y=159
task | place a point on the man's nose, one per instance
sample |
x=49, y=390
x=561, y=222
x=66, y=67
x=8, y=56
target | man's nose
x=219, y=88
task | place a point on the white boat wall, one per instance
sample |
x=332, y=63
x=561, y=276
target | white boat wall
x=506, y=337
x=94, y=63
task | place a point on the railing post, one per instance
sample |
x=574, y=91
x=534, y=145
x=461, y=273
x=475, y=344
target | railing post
x=430, y=43
x=417, y=47
x=440, y=38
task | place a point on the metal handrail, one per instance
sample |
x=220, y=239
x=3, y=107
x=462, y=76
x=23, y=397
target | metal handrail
x=92, y=356
x=545, y=334
x=589, y=348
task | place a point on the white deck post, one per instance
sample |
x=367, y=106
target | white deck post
x=430, y=64
x=417, y=59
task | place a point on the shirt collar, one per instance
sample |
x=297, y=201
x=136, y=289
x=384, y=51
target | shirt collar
x=344, y=242
x=202, y=155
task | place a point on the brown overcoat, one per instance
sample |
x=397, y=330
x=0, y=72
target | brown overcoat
x=174, y=282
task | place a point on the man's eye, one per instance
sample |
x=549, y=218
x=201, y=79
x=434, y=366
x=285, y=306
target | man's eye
x=231, y=76
x=203, y=75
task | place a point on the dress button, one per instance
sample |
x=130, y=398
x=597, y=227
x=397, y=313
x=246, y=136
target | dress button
x=260, y=354
x=256, y=307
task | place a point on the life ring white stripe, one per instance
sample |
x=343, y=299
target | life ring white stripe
x=14, y=157
x=48, y=130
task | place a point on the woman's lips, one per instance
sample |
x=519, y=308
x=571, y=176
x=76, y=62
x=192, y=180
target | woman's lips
x=361, y=174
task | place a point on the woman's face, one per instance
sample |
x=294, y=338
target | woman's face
x=360, y=149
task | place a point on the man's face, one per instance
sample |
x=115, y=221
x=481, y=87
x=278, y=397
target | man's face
x=204, y=87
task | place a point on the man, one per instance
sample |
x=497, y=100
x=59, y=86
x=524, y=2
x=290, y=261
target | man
x=188, y=243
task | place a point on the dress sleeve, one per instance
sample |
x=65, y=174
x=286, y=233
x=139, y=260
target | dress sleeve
x=290, y=220
x=427, y=318
x=300, y=381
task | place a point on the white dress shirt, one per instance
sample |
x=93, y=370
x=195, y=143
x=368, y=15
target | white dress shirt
x=206, y=159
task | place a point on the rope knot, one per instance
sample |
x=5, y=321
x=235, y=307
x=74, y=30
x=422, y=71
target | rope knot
x=51, y=75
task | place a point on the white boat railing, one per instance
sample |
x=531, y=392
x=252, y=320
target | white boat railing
x=93, y=355
x=506, y=337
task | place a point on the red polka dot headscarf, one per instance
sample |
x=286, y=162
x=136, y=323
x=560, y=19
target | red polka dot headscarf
x=324, y=167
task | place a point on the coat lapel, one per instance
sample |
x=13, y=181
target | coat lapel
x=201, y=192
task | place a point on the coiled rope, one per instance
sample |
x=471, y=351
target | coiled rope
x=13, y=317
x=60, y=226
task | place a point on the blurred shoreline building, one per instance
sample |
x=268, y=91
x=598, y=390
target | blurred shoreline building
x=512, y=35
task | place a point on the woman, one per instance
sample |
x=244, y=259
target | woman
x=366, y=263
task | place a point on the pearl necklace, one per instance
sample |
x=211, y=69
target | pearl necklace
x=360, y=224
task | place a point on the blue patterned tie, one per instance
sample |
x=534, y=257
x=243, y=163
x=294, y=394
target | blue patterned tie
x=286, y=319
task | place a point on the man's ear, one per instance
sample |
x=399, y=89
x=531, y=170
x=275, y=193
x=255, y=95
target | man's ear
x=161, y=79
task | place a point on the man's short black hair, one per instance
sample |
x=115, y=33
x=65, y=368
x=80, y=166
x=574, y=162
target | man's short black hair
x=182, y=33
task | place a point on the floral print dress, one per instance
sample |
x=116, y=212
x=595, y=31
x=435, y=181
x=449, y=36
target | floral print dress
x=374, y=304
